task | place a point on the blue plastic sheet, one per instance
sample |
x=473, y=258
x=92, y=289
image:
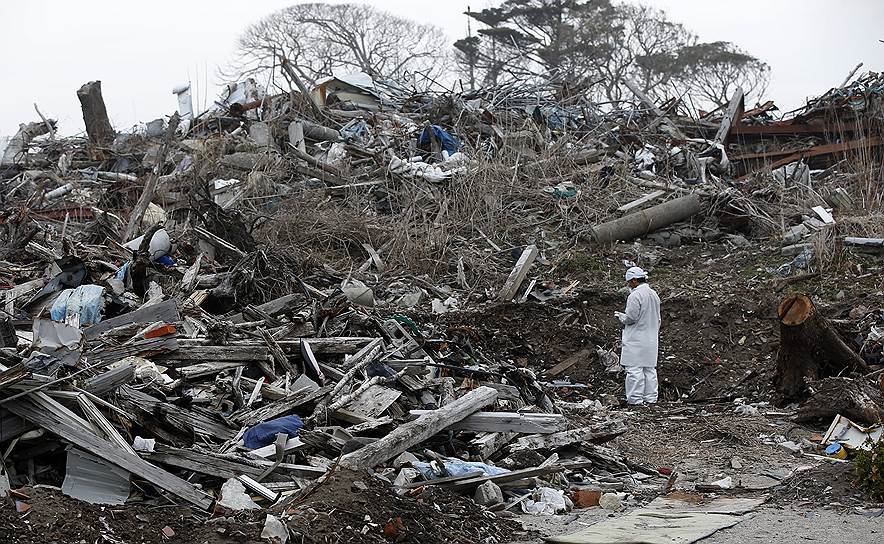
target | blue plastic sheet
x=264, y=434
x=85, y=300
x=449, y=143
x=456, y=467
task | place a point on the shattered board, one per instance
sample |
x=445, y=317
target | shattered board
x=665, y=521
x=373, y=401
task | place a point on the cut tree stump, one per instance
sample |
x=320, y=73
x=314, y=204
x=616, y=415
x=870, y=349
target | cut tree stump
x=810, y=349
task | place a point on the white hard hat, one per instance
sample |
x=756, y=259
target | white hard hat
x=635, y=273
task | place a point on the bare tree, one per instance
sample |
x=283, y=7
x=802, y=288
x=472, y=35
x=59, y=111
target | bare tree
x=320, y=38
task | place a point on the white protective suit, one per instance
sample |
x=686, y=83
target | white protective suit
x=640, y=341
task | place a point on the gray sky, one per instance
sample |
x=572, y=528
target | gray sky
x=141, y=50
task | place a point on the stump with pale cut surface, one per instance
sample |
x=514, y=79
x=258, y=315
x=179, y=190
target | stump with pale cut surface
x=810, y=349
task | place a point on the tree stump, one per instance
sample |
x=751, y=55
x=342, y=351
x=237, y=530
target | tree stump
x=98, y=125
x=810, y=349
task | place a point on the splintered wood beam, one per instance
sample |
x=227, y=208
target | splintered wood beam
x=517, y=276
x=419, y=430
x=166, y=311
x=599, y=433
x=108, y=451
x=731, y=116
x=518, y=422
x=639, y=202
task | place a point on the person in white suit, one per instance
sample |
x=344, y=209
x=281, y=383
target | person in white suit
x=640, y=340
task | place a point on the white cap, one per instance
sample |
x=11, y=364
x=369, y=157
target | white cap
x=635, y=272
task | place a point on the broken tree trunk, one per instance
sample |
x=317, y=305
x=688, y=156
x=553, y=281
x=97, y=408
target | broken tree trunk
x=854, y=399
x=98, y=125
x=642, y=222
x=810, y=349
x=421, y=429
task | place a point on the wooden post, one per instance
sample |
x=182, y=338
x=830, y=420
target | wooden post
x=150, y=188
x=422, y=428
x=518, y=274
x=809, y=349
x=731, y=116
x=98, y=125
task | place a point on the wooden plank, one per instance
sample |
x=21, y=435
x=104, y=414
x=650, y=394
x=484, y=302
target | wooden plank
x=639, y=202
x=166, y=312
x=731, y=116
x=419, y=430
x=106, y=427
x=200, y=370
x=275, y=306
x=27, y=409
x=218, y=242
x=518, y=422
x=279, y=357
x=488, y=444
x=202, y=463
x=517, y=276
x=187, y=421
x=504, y=478
x=110, y=380
x=280, y=407
x=144, y=348
x=269, y=451
x=582, y=355
x=252, y=484
x=201, y=348
x=372, y=402
x=598, y=433
x=186, y=354
x=445, y=480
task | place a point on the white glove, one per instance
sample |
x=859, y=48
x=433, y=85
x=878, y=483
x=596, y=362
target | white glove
x=621, y=316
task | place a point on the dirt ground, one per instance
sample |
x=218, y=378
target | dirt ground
x=718, y=344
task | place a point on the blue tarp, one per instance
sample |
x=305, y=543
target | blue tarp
x=449, y=143
x=264, y=434
x=456, y=467
x=86, y=300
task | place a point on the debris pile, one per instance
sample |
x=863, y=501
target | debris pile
x=241, y=309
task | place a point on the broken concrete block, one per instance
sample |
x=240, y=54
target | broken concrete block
x=793, y=235
x=488, y=494
x=404, y=459
x=262, y=134
x=274, y=530
x=611, y=501
x=796, y=249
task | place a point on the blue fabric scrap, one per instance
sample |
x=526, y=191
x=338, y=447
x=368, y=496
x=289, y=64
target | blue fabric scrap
x=449, y=143
x=264, y=434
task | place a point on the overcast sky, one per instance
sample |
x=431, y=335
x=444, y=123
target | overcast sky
x=141, y=50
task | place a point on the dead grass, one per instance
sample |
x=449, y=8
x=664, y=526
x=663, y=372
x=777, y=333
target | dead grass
x=433, y=227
